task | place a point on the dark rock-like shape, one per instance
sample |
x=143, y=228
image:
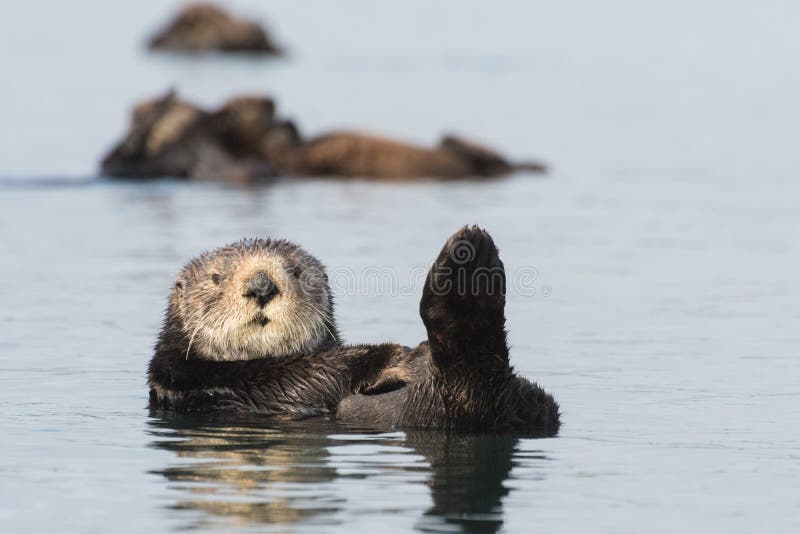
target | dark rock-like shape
x=244, y=141
x=205, y=27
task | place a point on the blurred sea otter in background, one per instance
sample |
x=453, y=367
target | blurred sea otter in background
x=243, y=141
x=205, y=27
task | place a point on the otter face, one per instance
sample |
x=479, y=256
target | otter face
x=255, y=298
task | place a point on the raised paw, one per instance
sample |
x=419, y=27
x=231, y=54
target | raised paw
x=467, y=272
x=464, y=296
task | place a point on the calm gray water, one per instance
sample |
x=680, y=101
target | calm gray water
x=663, y=314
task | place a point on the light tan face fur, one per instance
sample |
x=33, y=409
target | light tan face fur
x=223, y=324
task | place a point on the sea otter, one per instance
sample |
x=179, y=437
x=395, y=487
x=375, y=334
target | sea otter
x=353, y=154
x=244, y=141
x=250, y=328
x=205, y=27
x=170, y=137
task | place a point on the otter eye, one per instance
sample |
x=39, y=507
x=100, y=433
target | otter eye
x=216, y=278
x=179, y=284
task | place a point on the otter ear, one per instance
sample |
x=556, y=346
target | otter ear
x=179, y=285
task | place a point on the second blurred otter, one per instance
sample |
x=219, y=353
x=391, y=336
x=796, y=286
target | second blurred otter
x=204, y=27
x=244, y=141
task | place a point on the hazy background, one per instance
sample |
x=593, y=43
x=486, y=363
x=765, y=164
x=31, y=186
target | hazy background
x=694, y=83
x=665, y=238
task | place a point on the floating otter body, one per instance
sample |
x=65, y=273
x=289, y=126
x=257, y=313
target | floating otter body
x=243, y=141
x=205, y=27
x=250, y=328
x=351, y=154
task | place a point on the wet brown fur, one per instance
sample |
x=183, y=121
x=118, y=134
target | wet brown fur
x=352, y=154
x=244, y=141
x=460, y=379
x=204, y=27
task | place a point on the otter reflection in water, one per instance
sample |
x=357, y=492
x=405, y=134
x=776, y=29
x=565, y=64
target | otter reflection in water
x=250, y=475
x=230, y=472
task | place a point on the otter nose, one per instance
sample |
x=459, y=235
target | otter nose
x=261, y=288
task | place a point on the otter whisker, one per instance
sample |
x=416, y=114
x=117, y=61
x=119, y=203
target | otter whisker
x=324, y=318
x=309, y=333
x=329, y=326
x=191, y=339
x=307, y=326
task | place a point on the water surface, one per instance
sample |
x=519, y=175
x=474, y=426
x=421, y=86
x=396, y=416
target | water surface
x=662, y=314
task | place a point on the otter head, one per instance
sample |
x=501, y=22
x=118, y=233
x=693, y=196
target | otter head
x=255, y=298
x=157, y=127
x=242, y=122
